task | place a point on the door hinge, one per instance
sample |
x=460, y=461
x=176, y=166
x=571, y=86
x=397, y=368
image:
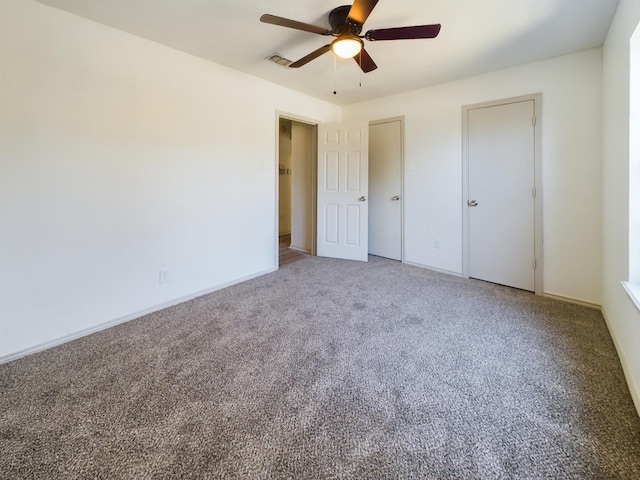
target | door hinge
x=535, y=263
x=533, y=121
x=534, y=192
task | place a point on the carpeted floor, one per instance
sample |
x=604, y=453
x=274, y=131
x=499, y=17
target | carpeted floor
x=329, y=369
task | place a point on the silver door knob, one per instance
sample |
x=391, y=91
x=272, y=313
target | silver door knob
x=362, y=199
x=472, y=203
x=395, y=198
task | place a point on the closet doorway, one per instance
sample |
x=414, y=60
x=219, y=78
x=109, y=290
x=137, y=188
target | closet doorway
x=297, y=187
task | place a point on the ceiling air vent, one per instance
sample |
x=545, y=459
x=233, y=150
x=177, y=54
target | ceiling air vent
x=279, y=59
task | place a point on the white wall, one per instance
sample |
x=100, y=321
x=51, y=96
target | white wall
x=118, y=157
x=571, y=166
x=622, y=316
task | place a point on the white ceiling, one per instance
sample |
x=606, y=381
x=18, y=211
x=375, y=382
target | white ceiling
x=477, y=36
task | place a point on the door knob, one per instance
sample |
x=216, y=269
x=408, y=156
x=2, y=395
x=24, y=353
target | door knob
x=472, y=203
x=395, y=198
x=362, y=199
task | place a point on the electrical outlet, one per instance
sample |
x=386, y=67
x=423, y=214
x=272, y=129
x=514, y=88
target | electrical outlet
x=163, y=276
x=436, y=244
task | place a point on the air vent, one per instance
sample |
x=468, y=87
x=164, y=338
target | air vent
x=279, y=59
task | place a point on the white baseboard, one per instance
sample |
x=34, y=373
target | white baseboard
x=300, y=249
x=116, y=321
x=439, y=270
x=572, y=300
x=545, y=294
x=633, y=389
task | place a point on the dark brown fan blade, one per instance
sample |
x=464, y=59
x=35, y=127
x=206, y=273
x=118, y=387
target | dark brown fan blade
x=285, y=22
x=404, y=33
x=313, y=55
x=360, y=11
x=365, y=61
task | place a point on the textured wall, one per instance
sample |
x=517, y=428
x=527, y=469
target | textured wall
x=571, y=166
x=120, y=157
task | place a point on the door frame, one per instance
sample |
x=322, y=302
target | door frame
x=314, y=179
x=537, y=221
x=402, y=175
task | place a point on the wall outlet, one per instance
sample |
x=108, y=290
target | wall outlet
x=436, y=244
x=163, y=276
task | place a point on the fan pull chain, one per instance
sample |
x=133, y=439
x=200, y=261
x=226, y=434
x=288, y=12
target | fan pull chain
x=360, y=60
x=334, y=74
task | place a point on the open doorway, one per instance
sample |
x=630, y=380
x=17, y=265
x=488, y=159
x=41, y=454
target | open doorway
x=297, y=186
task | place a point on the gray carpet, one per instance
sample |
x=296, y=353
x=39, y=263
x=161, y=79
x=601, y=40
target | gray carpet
x=330, y=369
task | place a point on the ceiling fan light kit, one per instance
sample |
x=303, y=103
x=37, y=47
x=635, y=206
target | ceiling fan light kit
x=347, y=46
x=346, y=24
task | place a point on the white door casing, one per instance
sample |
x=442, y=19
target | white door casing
x=385, y=189
x=501, y=191
x=343, y=190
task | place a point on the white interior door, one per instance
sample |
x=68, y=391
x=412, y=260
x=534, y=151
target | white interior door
x=342, y=190
x=501, y=207
x=385, y=188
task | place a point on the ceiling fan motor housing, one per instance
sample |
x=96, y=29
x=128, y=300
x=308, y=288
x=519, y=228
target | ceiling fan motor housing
x=338, y=19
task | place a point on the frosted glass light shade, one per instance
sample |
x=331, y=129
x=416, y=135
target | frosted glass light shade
x=346, y=47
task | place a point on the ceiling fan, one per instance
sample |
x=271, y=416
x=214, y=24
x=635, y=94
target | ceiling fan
x=346, y=24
